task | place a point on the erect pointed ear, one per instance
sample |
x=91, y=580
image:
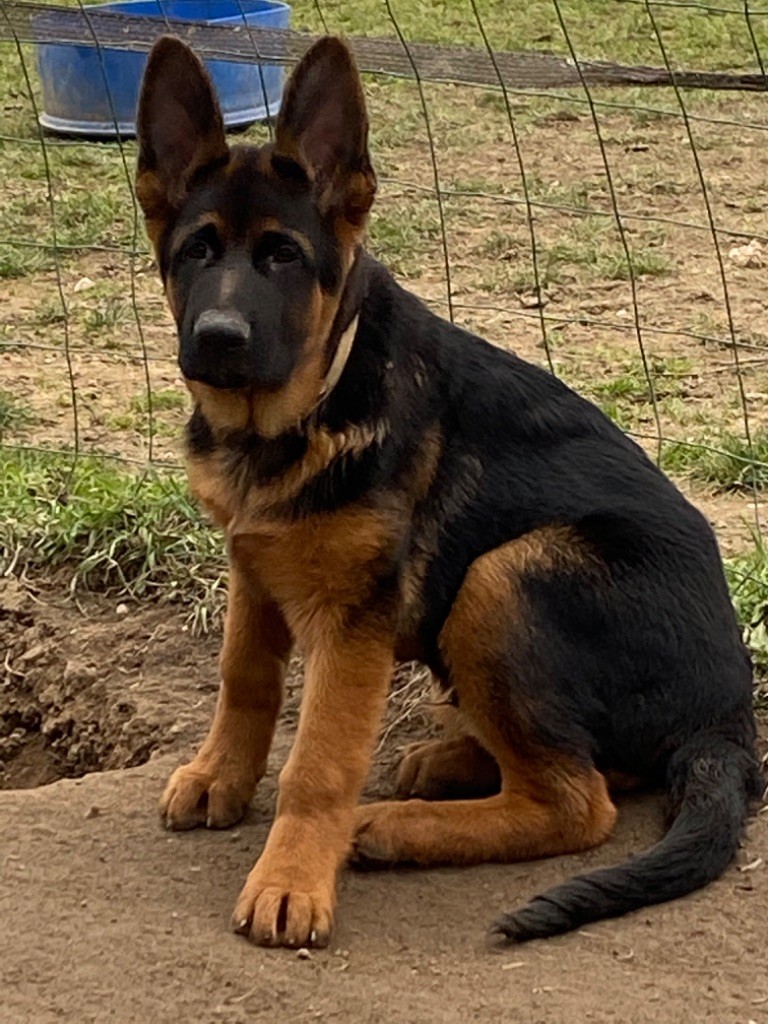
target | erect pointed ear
x=179, y=127
x=323, y=127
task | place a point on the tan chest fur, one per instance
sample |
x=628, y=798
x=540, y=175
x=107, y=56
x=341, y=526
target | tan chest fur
x=315, y=569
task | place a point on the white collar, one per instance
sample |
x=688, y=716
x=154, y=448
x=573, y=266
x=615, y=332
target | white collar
x=339, y=361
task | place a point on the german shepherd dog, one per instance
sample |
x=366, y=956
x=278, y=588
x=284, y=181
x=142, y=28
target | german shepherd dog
x=392, y=487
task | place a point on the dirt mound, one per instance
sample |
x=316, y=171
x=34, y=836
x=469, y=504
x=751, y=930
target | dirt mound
x=74, y=696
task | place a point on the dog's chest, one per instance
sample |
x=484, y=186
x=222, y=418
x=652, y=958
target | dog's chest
x=328, y=559
x=325, y=563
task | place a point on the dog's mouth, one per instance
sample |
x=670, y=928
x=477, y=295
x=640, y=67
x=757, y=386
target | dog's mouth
x=216, y=375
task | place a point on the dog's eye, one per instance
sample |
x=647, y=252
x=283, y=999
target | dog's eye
x=285, y=252
x=196, y=249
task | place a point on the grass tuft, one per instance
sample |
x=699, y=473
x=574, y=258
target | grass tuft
x=594, y=246
x=748, y=581
x=727, y=461
x=109, y=531
x=399, y=237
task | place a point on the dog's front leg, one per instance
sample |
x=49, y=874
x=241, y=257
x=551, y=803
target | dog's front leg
x=289, y=896
x=215, y=788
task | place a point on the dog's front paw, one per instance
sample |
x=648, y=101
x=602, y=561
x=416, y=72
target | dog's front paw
x=286, y=905
x=200, y=794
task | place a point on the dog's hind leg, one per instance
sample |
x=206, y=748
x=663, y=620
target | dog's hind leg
x=552, y=799
x=571, y=813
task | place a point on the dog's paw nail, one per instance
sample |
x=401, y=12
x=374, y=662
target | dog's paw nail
x=242, y=926
x=313, y=936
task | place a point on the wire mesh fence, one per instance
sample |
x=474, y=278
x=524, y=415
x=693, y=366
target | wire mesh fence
x=582, y=181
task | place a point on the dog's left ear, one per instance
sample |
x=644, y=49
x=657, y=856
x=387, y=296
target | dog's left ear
x=323, y=128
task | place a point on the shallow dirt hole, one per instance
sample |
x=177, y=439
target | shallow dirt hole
x=60, y=717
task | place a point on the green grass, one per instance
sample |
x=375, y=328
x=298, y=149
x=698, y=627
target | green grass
x=91, y=196
x=136, y=417
x=748, y=582
x=108, y=314
x=631, y=381
x=401, y=238
x=108, y=531
x=163, y=399
x=589, y=250
x=18, y=261
x=598, y=28
x=89, y=187
x=577, y=195
x=49, y=312
x=725, y=461
x=619, y=385
x=593, y=245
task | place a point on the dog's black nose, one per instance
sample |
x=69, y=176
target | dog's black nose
x=226, y=329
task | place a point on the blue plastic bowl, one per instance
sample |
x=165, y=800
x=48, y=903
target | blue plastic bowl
x=96, y=94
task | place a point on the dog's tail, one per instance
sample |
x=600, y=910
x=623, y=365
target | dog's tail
x=711, y=783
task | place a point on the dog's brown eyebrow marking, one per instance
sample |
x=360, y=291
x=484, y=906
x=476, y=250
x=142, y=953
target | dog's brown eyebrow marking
x=275, y=226
x=209, y=219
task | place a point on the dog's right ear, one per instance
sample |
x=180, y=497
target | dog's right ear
x=179, y=128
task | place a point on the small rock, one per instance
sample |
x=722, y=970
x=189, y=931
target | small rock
x=750, y=255
x=13, y=597
x=122, y=609
x=33, y=653
x=83, y=285
x=531, y=301
x=303, y=954
x=624, y=957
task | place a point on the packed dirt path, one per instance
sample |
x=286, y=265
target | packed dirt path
x=104, y=917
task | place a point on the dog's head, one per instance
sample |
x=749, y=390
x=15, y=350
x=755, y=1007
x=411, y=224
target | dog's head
x=255, y=245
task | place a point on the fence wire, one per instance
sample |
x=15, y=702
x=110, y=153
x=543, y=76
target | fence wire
x=580, y=181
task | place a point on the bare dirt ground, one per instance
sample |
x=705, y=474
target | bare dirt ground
x=106, y=917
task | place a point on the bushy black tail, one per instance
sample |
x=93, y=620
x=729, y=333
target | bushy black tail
x=711, y=783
